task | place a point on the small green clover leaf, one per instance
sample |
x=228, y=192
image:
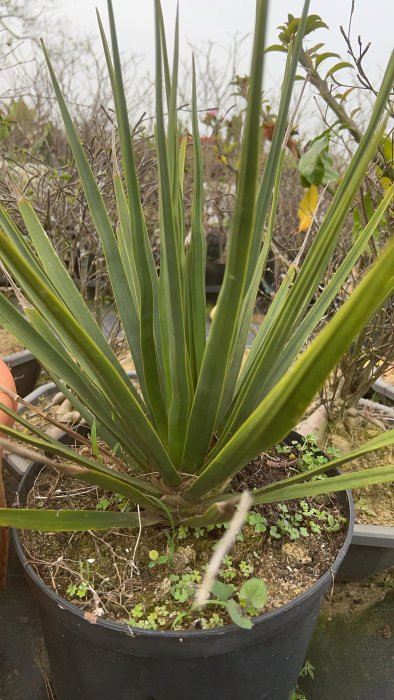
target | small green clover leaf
x=253, y=594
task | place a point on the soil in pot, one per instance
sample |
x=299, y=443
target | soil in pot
x=149, y=579
x=8, y=344
x=389, y=376
x=374, y=504
x=353, y=597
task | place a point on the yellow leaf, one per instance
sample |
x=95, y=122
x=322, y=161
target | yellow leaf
x=307, y=208
x=386, y=183
x=212, y=313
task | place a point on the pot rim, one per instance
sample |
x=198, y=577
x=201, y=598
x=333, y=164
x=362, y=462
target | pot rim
x=123, y=627
x=373, y=536
x=384, y=388
x=18, y=357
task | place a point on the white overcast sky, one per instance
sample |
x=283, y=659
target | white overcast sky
x=219, y=20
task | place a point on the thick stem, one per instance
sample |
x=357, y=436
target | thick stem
x=324, y=91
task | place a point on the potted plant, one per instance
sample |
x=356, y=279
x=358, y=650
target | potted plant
x=372, y=548
x=384, y=388
x=170, y=447
x=22, y=363
x=25, y=370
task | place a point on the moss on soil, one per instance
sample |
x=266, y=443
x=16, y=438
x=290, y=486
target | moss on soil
x=355, y=597
x=374, y=504
x=115, y=564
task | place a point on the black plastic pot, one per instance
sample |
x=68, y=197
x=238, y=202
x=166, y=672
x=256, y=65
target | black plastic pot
x=18, y=465
x=25, y=370
x=384, y=388
x=372, y=547
x=103, y=660
x=371, y=551
x=214, y=274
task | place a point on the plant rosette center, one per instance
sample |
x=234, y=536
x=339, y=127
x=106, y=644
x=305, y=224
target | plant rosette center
x=149, y=579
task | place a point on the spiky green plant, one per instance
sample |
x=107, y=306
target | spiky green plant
x=199, y=417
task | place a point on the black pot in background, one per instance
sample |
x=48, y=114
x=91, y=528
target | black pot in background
x=103, y=660
x=16, y=464
x=25, y=370
x=214, y=274
x=371, y=551
x=372, y=548
x=384, y=389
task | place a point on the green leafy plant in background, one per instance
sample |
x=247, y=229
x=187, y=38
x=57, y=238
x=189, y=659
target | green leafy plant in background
x=199, y=415
x=371, y=352
x=307, y=670
x=315, y=165
x=315, y=168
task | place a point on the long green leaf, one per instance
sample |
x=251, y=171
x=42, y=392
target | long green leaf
x=178, y=376
x=122, y=293
x=196, y=255
x=281, y=364
x=282, y=407
x=222, y=510
x=71, y=520
x=144, y=264
x=311, y=271
x=350, y=480
x=377, y=443
x=121, y=394
x=74, y=384
x=225, y=326
x=270, y=171
x=126, y=245
x=21, y=243
x=107, y=425
x=48, y=444
x=71, y=380
x=88, y=470
x=250, y=301
x=125, y=241
x=270, y=184
x=318, y=309
x=61, y=280
x=51, y=353
x=166, y=64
